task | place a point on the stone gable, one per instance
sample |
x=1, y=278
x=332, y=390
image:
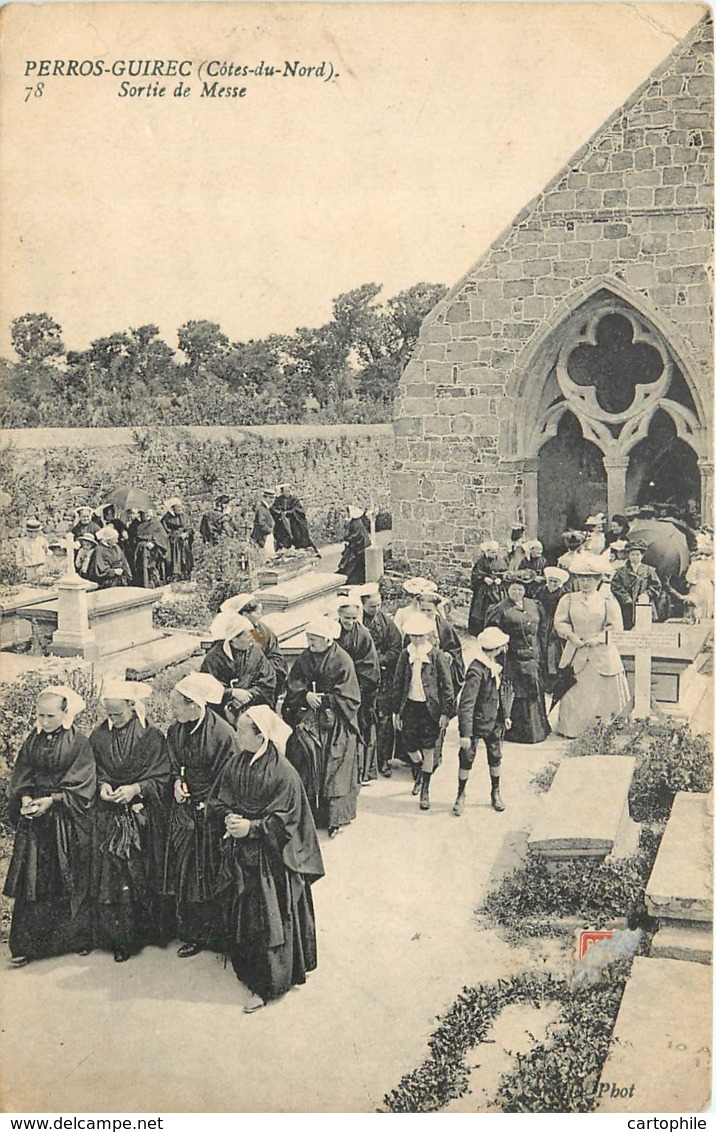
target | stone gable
x=627, y=224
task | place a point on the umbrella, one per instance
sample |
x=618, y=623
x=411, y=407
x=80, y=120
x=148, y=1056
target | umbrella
x=668, y=549
x=130, y=499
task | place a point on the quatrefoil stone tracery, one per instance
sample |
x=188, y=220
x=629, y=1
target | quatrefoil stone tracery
x=583, y=399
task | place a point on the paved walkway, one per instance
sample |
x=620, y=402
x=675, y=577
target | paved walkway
x=397, y=942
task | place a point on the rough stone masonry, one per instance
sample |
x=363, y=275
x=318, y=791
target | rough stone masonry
x=624, y=230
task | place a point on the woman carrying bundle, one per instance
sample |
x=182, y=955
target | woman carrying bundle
x=129, y=837
x=270, y=857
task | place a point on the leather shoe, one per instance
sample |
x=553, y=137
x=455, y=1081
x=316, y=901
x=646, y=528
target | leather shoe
x=19, y=961
x=385, y=771
x=255, y=1003
x=120, y=955
x=188, y=949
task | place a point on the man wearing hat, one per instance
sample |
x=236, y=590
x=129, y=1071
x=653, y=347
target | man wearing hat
x=632, y=580
x=263, y=528
x=32, y=551
x=290, y=522
x=215, y=523
x=388, y=642
x=482, y=714
x=358, y=643
x=445, y=635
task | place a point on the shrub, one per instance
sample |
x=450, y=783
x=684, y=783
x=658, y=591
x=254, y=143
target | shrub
x=544, y=777
x=224, y=570
x=191, y=612
x=528, y=900
x=669, y=758
x=559, y=1074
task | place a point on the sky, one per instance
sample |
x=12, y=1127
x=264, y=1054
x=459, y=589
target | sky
x=440, y=121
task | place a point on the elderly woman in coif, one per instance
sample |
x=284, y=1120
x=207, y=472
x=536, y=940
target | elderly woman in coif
x=200, y=744
x=270, y=857
x=352, y=562
x=251, y=607
x=423, y=701
x=129, y=837
x=108, y=566
x=486, y=581
x=321, y=704
x=50, y=798
x=239, y=663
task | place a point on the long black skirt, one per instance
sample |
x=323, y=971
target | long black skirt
x=271, y=971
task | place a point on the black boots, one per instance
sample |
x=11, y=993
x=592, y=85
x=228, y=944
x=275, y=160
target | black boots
x=497, y=803
x=417, y=775
x=425, y=791
x=460, y=800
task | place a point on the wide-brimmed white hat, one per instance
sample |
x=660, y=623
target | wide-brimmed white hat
x=418, y=625
x=557, y=574
x=492, y=638
x=418, y=585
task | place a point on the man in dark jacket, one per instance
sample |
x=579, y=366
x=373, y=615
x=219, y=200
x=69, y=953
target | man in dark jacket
x=482, y=715
x=388, y=641
x=632, y=580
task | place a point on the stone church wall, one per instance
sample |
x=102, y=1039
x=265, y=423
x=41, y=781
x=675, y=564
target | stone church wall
x=631, y=212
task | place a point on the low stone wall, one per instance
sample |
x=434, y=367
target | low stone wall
x=50, y=471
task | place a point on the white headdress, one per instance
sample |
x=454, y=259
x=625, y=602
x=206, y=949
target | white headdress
x=324, y=627
x=131, y=690
x=74, y=701
x=271, y=726
x=201, y=688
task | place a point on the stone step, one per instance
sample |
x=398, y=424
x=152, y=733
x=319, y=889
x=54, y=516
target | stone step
x=683, y=941
x=680, y=885
x=586, y=810
x=659, y=1059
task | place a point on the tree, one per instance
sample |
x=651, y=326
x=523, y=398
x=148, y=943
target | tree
x=203, y=342
x=37, y=337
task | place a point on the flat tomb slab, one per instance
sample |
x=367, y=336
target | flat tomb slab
x=586, y=811
x=146, y=660
x=680, y=885
x=660, y=1055
x=306, y=587
x=693, y=942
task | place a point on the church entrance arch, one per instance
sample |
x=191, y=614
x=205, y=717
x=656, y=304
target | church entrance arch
x=612, y=422
x=571, y=483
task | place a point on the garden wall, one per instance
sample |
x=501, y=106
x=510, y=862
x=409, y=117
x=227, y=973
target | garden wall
x=50, y=471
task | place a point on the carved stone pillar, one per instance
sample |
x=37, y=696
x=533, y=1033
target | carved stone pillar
x=530, y=469
x=616, y=469
x=706, y=469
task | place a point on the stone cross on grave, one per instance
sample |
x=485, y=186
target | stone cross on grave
x=644, y=642
x=69, y=544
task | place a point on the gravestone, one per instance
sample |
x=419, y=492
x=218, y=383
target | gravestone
x=660, y=1054
x=586, y=811
x=645, y=642
x=73, y=635
x=679, y=893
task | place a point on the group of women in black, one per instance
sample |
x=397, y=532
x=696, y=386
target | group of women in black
x=129, y=838
x=145, y=551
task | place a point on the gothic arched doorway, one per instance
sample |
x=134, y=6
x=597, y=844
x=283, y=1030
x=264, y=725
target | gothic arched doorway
x=663, y=468
x=571, y=483
x=610, y=418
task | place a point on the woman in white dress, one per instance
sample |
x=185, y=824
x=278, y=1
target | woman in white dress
x=583, y=619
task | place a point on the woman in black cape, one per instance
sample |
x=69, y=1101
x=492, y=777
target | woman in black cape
x=270, y=857
x=129, y=836
x=51, y=794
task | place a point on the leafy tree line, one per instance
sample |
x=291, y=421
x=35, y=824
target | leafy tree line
x=344, y=371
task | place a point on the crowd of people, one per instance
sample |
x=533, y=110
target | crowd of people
x=148, y=547
x=207, y=834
